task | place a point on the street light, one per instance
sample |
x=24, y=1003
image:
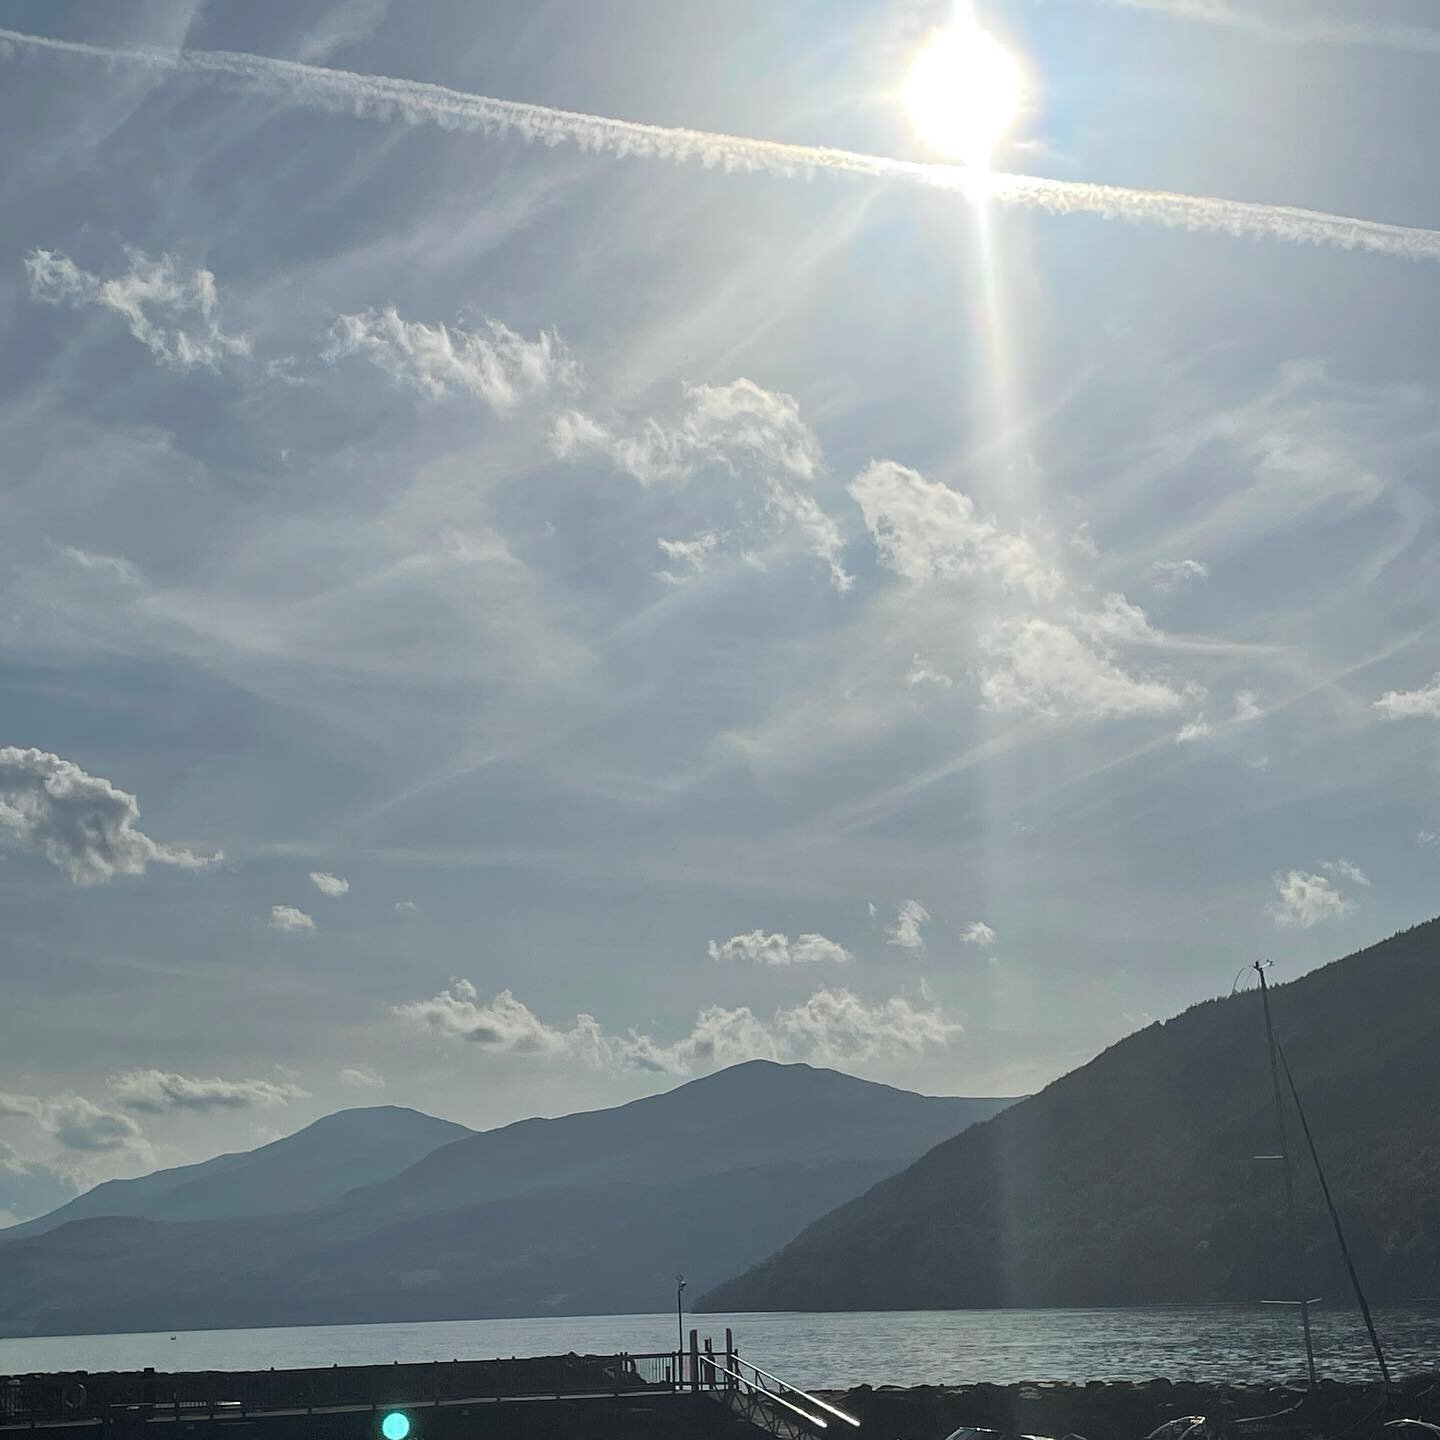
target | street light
x=680, y=1317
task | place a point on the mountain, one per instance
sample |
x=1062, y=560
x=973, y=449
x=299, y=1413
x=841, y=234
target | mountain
x=591, y=1213
x=311, y=1167
x=1134, y=1179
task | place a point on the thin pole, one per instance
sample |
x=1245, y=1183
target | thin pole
x=1292, y=1225
x=680, y=1328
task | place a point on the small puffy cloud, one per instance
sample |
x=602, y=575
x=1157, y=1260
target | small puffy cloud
x=831, y=1027
x=905, y=933
x=758, y=948
x=362, y=1077
x=331, y=885
x=1304, y=900
x=1406, y=704
x=1428, y=839
x=1169, y=576
x=490, y=363
x=172, y=312
x=154, y=1092
x=287, y=917
x=1246, y=708
x=1194, y=730
x=1345, y=870
x=406, y=907
x=922, y=672
x=978, y=933
x=924, y=530
x=80, y=823
x=1073, y=668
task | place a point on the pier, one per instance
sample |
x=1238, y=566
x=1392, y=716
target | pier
x=701, y=1392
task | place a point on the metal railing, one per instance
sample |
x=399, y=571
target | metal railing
x=773, y=1390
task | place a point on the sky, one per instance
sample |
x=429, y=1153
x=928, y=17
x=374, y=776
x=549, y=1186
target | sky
x=503, y=611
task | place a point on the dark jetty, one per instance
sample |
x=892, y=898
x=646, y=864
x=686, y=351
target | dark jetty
x=1105, y=1410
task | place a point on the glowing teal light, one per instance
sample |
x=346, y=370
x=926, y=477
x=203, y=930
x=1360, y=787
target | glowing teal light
x=395, y=1426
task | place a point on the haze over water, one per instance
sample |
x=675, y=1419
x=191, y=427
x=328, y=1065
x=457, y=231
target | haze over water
x=1233, y=1343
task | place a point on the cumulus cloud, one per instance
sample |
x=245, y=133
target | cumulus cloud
x=741, y=428
x=29, y=1187
x=287, y=917
x=78, y=1125
x=978, y=933
x=1429, y=839
x=80, y=823
x=491, y=363
x=905, y=933
x=1169, y=576
x=923, y=530
x=1073, y=667
x=1194, y=730
x=406, y=907
x=362, y=1077
x=1304, y=900
x=758, y=948
x=331, y=885
x=154, y=1092
x=1405, y=704
x=832, y=1026
x=170, y=311
x=1246, y=708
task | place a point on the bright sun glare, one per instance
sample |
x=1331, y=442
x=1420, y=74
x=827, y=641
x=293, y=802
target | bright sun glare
x=963, y=93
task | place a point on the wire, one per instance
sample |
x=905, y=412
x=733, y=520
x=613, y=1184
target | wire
x=1335, y=1221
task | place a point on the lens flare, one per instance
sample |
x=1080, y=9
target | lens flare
x=963, y=93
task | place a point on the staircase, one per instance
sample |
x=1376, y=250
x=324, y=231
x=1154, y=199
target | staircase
x=766, y=1403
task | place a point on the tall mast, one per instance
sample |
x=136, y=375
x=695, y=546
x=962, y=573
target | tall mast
x=1292, y=1224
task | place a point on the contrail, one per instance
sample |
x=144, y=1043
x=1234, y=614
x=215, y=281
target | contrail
x=417, y=103
x=1322, y=30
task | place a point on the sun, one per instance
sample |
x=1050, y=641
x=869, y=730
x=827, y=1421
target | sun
x=963, y=93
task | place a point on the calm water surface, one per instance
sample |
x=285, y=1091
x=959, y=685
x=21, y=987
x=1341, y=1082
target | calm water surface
x=913, y=1347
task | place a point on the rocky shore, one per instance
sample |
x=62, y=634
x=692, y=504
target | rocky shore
x=1110, y=1411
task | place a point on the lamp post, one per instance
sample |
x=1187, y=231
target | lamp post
x=680, y=1325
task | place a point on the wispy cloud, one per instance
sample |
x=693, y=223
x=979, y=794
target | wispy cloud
x=362, y=1077
x=832, y=1026
x=1171, y=575
x=78, y=1125
x=80, y=823
x=170, y=311
x=757, y=948
x=490, y=363
x=1305, y=30
x=413, y=102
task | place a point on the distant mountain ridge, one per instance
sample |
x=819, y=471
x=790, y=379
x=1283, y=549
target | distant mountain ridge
x=1132, y=1179
x=589, y=1213
x=312, y=1167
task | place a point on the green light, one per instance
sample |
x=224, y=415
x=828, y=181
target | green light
x=395, y=1426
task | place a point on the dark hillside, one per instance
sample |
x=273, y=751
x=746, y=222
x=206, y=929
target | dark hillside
x=1133, y=1180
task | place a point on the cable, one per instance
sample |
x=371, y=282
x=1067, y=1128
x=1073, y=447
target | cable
x=1335, y=1221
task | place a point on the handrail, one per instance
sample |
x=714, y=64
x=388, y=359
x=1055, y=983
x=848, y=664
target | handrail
x=768, y=1394
x=813, y=1399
